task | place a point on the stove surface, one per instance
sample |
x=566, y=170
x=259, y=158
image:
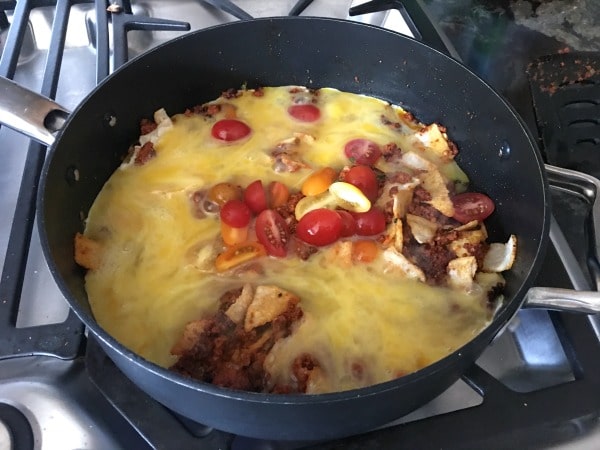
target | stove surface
x=65, y=408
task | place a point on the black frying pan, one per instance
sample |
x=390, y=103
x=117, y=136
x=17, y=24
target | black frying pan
x=496, y=151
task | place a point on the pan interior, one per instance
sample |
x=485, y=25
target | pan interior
x=314, y=53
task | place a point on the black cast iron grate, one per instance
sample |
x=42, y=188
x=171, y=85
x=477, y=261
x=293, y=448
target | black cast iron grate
x=62, y=340
x=505, y=418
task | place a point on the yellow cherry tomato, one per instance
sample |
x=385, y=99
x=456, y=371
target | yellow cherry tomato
x=319, y=181
x=349, y=197
x=339, y=195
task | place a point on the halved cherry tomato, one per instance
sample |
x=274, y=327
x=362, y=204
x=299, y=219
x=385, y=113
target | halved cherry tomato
x=221, y=193
x=278, y=194
x=235, y=213
x=239, y=254
x=255, y=197
x=305, y=113
x=362, y=151
x=233, y=235
x=320, y=227
x=230, y=130
x=272, y=232
x=370, y=223
x=365, y=179
x=348, y=223
x=470, y=206
x=364, y=251
x=319, y=181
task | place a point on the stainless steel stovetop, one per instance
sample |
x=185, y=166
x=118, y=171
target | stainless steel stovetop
x=63, y=406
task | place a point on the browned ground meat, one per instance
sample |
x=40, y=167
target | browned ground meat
x=232, y=93
x=203, y=110
x=226, y=355
x=431, y=258
x=145, y=154
x=302, y=368
x=478, y=250
x=421, y=195
x=389, y=149
x=147, y=126
x=287, y=211
x=302, y=249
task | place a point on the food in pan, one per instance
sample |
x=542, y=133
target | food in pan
x=287, y=240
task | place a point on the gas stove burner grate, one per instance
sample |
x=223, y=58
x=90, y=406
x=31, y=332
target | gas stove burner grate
x=566, y=95
x=505, y=416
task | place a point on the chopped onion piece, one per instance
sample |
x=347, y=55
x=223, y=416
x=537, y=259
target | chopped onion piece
x=461, y=271
x=422, y=229
x=500, y=257
x=397, y=263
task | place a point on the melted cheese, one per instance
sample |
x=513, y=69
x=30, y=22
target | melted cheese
x=157, y=275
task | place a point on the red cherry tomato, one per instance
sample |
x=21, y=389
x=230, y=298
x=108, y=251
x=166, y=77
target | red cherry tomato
x=365, y=179
x=370, y=223
x=304, y=113
x=362, y=151
x=320, y=227
x=230, y=130
x=348, y=223
x=235, y=213
x=272, y=232
x=470, y=206
x=255, y=197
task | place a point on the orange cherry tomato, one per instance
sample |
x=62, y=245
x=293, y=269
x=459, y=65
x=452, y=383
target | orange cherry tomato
x=233, y=235
x=319, y=181
x=364, y=251
x=278, y=194
x=239, y=254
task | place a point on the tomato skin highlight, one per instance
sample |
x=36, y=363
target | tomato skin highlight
x=230, y=130
x=470, y=206
x=235, y=213
x=362, y=151
x=370, y=223
x=365, y=179
x=255, y=197
x=272, y=232
x=239, y=254
x=320, y=227
x=305, y=113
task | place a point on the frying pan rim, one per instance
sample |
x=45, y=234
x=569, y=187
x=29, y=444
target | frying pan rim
x=505, y=313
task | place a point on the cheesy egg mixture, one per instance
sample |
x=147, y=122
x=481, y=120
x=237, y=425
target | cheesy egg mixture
x=325, y=316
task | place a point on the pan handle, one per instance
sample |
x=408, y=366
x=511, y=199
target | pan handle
x=588, y=187
x=587, y=302
x=30, y=113
x=584, y=301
